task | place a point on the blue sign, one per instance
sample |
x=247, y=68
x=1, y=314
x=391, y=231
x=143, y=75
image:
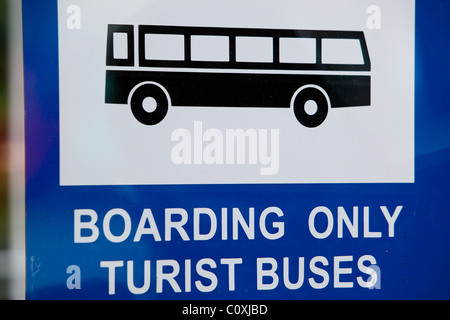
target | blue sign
x=222, y=151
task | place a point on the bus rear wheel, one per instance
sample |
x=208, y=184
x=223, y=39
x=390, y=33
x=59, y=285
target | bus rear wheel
x=310, y=104
x=149, y=103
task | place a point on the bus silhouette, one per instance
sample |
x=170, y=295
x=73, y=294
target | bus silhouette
x=310, y=71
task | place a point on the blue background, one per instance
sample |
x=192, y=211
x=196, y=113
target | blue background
x=415, y=264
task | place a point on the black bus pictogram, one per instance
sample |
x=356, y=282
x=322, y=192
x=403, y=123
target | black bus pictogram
x=308, y=70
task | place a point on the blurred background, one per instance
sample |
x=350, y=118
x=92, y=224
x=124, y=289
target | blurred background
x=12, y=177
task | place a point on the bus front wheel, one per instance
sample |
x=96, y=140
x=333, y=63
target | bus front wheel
x=310, y=104
x=149, y=103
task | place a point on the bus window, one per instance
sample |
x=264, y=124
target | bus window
x=210, y=48
x=164, y=47
x=297, y=50
x=254, y=49
x=120, y=50
x=342, y=51
x=120, y=45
